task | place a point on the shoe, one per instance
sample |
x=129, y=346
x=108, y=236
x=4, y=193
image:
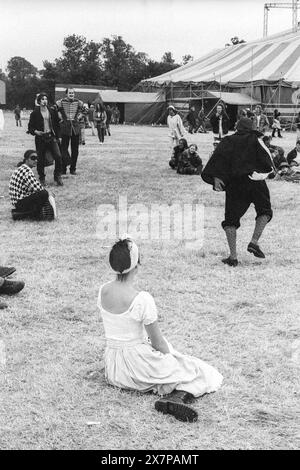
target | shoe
x=252, y=248
x=43, y=181
x=176, y=407
x=11, y=287
x=73, y=172
x=230, y=261
x=83, y=143
x=186, y=397
x=5, y=272
x=2, y=305
x=58, y=181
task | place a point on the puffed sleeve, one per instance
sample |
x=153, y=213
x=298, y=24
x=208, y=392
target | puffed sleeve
x=144, y=309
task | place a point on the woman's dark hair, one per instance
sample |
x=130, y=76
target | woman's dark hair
x=119, y=259
x=100, y=107
x=27, y=154
x=40, y=96
x=184, y=141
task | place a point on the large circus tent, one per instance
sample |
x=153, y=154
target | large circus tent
x=265, y=71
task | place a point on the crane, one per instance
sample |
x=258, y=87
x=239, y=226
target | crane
x=293, y=6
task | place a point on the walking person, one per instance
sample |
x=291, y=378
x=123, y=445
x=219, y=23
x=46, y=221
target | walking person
x=137, y=356
x=201, y=121
x=260, y=120
x=44, y=125
x=27, y=195
x=17, y=112
x=2, y=122
x=297, y=122
x=100, y=121
x=239, y=166
x=69, y=108
x=219, y=122
x=276, y=124
x=176, y=128
x=192, y=120
x=91, y=118
x=108, y=119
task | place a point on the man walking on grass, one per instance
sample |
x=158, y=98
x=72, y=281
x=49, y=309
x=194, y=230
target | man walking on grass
x=69, y=109
x=239, y=166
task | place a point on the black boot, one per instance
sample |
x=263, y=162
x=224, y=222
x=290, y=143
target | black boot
x=174, y=404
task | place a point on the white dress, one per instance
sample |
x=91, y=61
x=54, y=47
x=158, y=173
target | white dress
x=1, y=120
x=132, y=363
x=177, y=130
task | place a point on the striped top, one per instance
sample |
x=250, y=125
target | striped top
x=70, y=108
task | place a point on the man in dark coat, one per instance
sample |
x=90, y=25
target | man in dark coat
x=44, y=125
x=239, y=166
x=191, y=118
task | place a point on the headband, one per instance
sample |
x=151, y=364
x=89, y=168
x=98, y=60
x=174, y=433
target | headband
x=133, y=251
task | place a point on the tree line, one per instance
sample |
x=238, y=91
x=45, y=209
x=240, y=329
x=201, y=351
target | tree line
x=111, y=63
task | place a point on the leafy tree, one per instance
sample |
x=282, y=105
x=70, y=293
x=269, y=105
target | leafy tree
x=19, y=69
x=22, y=82
x=167, y=58
x=234, y=41
x=186, y=59
x=123, y=66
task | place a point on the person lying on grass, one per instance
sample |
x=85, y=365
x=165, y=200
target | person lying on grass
x=137, y=356
x=189, y=162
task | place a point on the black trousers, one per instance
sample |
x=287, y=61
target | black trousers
x=101, y=133
x=240, y=193
x=65, y=140
x=33, y=203
x=52, y=146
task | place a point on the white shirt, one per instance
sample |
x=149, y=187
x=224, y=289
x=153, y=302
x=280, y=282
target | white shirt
x=176, y=127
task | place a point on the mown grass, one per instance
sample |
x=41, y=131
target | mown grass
x=244, y=320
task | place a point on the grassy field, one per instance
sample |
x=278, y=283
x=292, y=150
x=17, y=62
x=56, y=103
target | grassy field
x=244, y=321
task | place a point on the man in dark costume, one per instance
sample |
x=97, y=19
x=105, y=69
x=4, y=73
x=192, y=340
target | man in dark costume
x=239, y=166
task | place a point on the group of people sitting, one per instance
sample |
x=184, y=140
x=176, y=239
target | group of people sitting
x=287, y=168
x=185, y=159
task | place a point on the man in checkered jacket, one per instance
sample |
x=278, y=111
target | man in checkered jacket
x=26, y=193
x=70, y=109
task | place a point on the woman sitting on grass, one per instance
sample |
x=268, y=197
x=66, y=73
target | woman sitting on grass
x=135, y=362
x=177, y=151
x=189, y=162
x=27, y=195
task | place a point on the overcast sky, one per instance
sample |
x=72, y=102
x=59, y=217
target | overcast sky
x=35, y=29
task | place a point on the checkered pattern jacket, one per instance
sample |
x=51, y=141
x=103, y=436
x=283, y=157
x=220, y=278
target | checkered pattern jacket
x=23, y=183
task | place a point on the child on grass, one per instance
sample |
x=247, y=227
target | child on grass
x=137, y=356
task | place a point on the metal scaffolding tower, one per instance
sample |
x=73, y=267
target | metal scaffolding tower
x=293, y=6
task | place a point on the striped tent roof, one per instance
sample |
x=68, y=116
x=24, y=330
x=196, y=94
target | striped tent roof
x=269, y=59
